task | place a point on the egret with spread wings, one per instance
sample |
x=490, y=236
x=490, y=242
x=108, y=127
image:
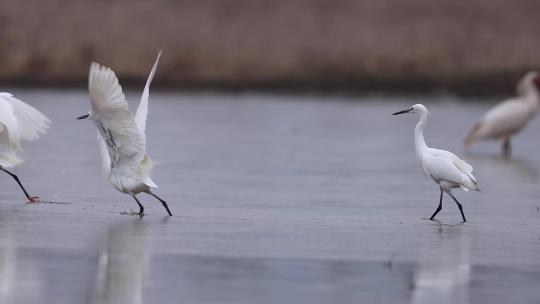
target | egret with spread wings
x=18, y=121
x=444, y=167
x=121, y=136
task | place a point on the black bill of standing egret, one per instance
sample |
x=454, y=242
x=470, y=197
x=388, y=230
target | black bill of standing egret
x=18, y=121
x=121, y=135
x=443, y=167
x=403, y=111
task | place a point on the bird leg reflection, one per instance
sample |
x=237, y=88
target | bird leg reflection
x=164, y=203
x=438, y=208
x=31, y=199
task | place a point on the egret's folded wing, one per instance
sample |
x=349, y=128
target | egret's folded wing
x=451, y=156
x=31, y=123
x=115, y=122
x=142, y=110
x=442, y=168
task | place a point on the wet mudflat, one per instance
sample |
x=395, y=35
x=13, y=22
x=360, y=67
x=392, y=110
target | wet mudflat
x=276, y=199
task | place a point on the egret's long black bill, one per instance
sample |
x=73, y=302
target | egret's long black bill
x=403, y=112
x=85, y=116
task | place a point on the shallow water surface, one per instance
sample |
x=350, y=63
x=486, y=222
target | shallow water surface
x=276, y=199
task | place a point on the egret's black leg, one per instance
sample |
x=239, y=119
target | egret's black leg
x=438, y=208
x=459, y=206
x=18, y=182
x=162, y=202
x=141, y=208
x=507, y=147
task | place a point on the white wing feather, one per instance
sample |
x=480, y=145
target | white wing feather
x=445, y=165
x=105, y=159
x=442, y=169
x=18, y=120
x=125, y=143
x=9, y=135
x=142, y=110
x=31, y=122
x=10, y=127
x=465, y=168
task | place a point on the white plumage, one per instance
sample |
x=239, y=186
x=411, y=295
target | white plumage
x=121, y=136
x=18, y=121
x=509, y=117
x=444, y=167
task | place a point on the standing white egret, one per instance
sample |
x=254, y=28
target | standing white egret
x=18, y=121
x=445, y=168
x=121, y=136
x=509, y=117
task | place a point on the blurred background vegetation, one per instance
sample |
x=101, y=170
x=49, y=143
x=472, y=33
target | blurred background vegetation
x=474, y=46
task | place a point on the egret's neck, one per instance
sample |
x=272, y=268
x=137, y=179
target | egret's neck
x=419, y=141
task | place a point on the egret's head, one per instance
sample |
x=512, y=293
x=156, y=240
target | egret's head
x=85, y=116
x=529, y=82
x=417, y=108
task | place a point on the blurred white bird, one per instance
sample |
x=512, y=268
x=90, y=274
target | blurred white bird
x=509, y=117
x=121, y=136
x=18, y=121
x=444, y=167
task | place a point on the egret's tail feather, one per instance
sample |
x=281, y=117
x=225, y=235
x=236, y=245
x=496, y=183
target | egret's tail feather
x=149, y=182
x=468, y=188
x=146, y=165
x=145, y=168
x=470, y=185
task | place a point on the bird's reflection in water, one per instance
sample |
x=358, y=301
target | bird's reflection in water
x=121, y=264
x=20, y=280
x=504, y=169
x=444, y=270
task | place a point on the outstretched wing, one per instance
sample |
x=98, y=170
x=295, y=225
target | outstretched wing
x=9, y=134
x=105, y=158
x=30, y=121
x=125, y=143
x=142, y=110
